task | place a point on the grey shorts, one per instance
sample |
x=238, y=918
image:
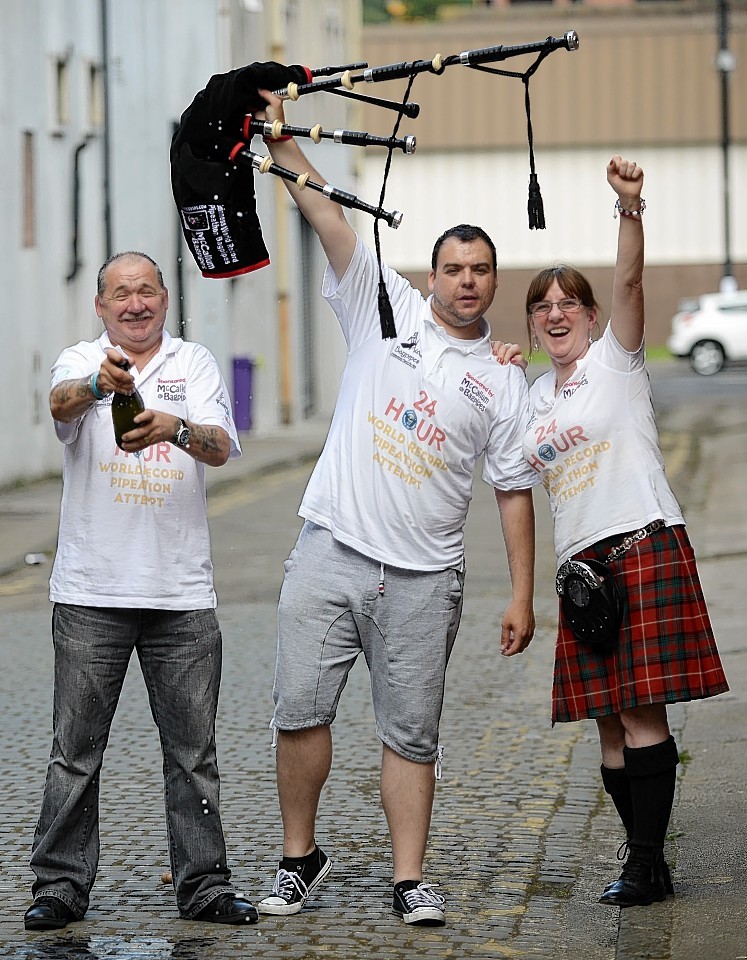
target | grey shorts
x=335, y=603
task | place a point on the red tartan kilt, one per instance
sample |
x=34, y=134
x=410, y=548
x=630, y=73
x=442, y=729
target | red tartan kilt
x=666, y=651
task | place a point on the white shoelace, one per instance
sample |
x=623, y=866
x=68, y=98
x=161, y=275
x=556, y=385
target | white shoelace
x=285, y=883
x=422, y=896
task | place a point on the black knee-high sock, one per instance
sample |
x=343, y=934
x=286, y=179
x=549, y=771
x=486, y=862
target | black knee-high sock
x=652, y=773
x=617, y=785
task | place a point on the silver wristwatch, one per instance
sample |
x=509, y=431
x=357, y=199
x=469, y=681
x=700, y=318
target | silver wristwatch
x=181, y=438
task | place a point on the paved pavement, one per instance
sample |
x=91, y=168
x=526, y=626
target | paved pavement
x=523, y=837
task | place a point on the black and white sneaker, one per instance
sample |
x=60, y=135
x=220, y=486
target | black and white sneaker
x=416, y=903
x=294, y=881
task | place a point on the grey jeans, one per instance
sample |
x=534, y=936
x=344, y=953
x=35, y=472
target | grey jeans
x=180, y=657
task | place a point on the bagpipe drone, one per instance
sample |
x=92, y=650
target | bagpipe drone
x=212, y=165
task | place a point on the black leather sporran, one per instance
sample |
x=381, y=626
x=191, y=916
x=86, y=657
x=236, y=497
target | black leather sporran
x=592, y=603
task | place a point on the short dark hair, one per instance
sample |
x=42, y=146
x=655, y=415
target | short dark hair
x=122, y=256
x=466, y=233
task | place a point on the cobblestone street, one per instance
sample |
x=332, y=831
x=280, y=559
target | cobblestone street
x=523, y=838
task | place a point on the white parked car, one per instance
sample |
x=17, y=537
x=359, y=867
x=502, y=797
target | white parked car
x=710, y=330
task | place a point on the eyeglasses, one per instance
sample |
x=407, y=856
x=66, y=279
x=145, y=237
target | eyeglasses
x=543, y=308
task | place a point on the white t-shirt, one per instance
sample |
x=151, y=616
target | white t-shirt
x=413, y=415
x=133, y=528
x=596, y=447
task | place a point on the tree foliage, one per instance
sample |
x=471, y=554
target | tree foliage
x=386, y=11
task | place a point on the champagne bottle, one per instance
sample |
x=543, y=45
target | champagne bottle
x=125, y=407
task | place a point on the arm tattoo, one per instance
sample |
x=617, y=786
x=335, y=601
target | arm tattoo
x=73, y=391
x=62, y=391
x=83, y=388
x=205, y=437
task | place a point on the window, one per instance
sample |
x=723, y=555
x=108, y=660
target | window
x=94, y=96
x=739, y=306
x=28, y=165
x=60, y=92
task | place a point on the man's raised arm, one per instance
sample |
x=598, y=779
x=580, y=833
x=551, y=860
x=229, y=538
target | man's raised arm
x=325, y=216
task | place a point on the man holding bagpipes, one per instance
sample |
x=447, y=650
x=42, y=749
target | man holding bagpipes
x=379, y=564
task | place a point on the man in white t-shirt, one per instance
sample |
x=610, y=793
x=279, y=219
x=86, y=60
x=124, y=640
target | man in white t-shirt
x=133, y=571
x=379, y=564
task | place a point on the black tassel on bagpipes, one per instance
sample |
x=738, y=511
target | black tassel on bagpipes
x=535, y=207
x=386, y=314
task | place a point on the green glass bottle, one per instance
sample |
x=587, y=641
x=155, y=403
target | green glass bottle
x=125, y=407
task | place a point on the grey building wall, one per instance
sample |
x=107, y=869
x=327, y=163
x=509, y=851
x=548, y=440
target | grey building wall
x=161, y=52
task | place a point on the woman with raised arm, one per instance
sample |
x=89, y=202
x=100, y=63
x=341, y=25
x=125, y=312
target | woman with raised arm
x=593, y=438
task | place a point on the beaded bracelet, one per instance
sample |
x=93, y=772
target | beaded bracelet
x=630, y=214
x=93, y=383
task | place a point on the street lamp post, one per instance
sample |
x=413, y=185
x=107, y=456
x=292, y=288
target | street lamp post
x=725, y=63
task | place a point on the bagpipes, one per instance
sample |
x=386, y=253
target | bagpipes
x=212, y=165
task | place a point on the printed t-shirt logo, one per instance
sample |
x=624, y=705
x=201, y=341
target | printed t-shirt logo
x=172, y=391
x=409, y=419
x=571, y=386
x=546, y=452
x=223, y=403
x=408, y=351
x=478, y=393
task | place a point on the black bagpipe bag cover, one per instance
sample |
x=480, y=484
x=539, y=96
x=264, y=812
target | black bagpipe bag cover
x=215, y=196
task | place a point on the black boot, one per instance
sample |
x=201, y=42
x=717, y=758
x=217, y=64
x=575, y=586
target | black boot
x=641, y=881
x=651, y=773
x=617, y=785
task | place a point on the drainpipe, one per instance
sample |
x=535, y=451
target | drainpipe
x=75, y=262
x=107, y=131
x=285, y=363
x=180, y=247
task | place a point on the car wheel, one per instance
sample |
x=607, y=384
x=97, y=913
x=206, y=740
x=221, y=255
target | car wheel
x=707, y=357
